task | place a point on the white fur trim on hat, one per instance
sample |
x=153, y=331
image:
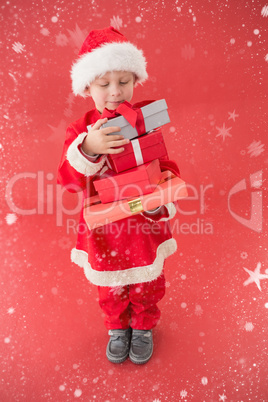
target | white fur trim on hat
x=116, y=56
x=128, y=276
x=79, y=162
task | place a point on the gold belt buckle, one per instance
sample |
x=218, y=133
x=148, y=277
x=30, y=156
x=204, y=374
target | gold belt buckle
x=135, y=206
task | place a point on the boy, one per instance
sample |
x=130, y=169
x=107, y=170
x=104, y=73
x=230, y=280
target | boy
x=127, y=263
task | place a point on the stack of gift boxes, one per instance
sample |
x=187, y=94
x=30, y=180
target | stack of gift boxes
x=136, y=171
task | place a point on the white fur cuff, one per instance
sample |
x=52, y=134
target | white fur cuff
x=79, y=162
x=171, y=210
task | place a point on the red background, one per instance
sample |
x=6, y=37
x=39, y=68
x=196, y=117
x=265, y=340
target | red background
x=208, y=60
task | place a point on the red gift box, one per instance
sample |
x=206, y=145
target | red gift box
x=132, y=183
x=171, y=188
x=141, y=150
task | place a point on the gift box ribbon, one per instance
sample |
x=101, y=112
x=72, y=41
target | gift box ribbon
x=131, y=113
x=137, y=152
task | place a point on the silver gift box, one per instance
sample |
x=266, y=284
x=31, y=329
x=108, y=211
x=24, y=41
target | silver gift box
x=155, y=115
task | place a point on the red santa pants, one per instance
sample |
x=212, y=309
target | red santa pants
x=133, y=305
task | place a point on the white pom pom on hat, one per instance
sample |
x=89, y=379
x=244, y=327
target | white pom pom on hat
x=106, y=50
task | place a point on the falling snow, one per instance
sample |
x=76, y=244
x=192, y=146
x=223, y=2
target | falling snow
x=188, y=52
x=204, y=381
x=116, y=22
x=77, y=393
x=183, y=394
x=77, y=36
x=18, y=47
x=198, y=310
x=255, y=148
x=264, y=11
x=11, y=219
x=249, y=326
x=61, y=40
x=44, y=31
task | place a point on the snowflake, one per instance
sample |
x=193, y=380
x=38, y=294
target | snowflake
x=232, y=115
x=204, y=381
x=65, y=243
x=264, y=11
x=98, y=258
x=255, y=276
x=117, y=290
x=116, y=22
x=18, y=47
x=266, y=57
x=222, y=397
x=57, y=132
x=77, y=36
x=187, y=52
x=255, y=148
x=44, y=31
x=68, y=112
x=249, y=326
x=22, y=119
x=223, y=131
x=70, y=99
x=198, y=310
x=11, y=218
x=173, y=326
x=183, y=394
x=10, y=310
x=61, y=40
x=244, y=255
x=77, y=393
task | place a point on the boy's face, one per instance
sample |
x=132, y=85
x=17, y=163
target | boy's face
x=112, y=89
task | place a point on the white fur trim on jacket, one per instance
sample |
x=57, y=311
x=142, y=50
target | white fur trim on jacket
x=171, y=210
x=79, y=162
x=117, y=56
x=130, y=276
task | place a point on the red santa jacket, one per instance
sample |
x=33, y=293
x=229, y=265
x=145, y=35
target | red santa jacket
x=132, y=250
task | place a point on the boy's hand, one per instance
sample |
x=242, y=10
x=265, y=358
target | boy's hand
x=98, y=140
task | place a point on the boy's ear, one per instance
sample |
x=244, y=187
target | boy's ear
x=135, y=79
x=87, y=91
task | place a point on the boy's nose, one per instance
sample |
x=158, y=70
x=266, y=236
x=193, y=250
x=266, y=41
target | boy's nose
x=115, y=90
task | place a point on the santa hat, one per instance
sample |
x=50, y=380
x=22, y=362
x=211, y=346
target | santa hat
x=106, y=50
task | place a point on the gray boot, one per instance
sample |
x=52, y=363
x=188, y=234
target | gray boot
x=118, y=346
x=141, y=348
